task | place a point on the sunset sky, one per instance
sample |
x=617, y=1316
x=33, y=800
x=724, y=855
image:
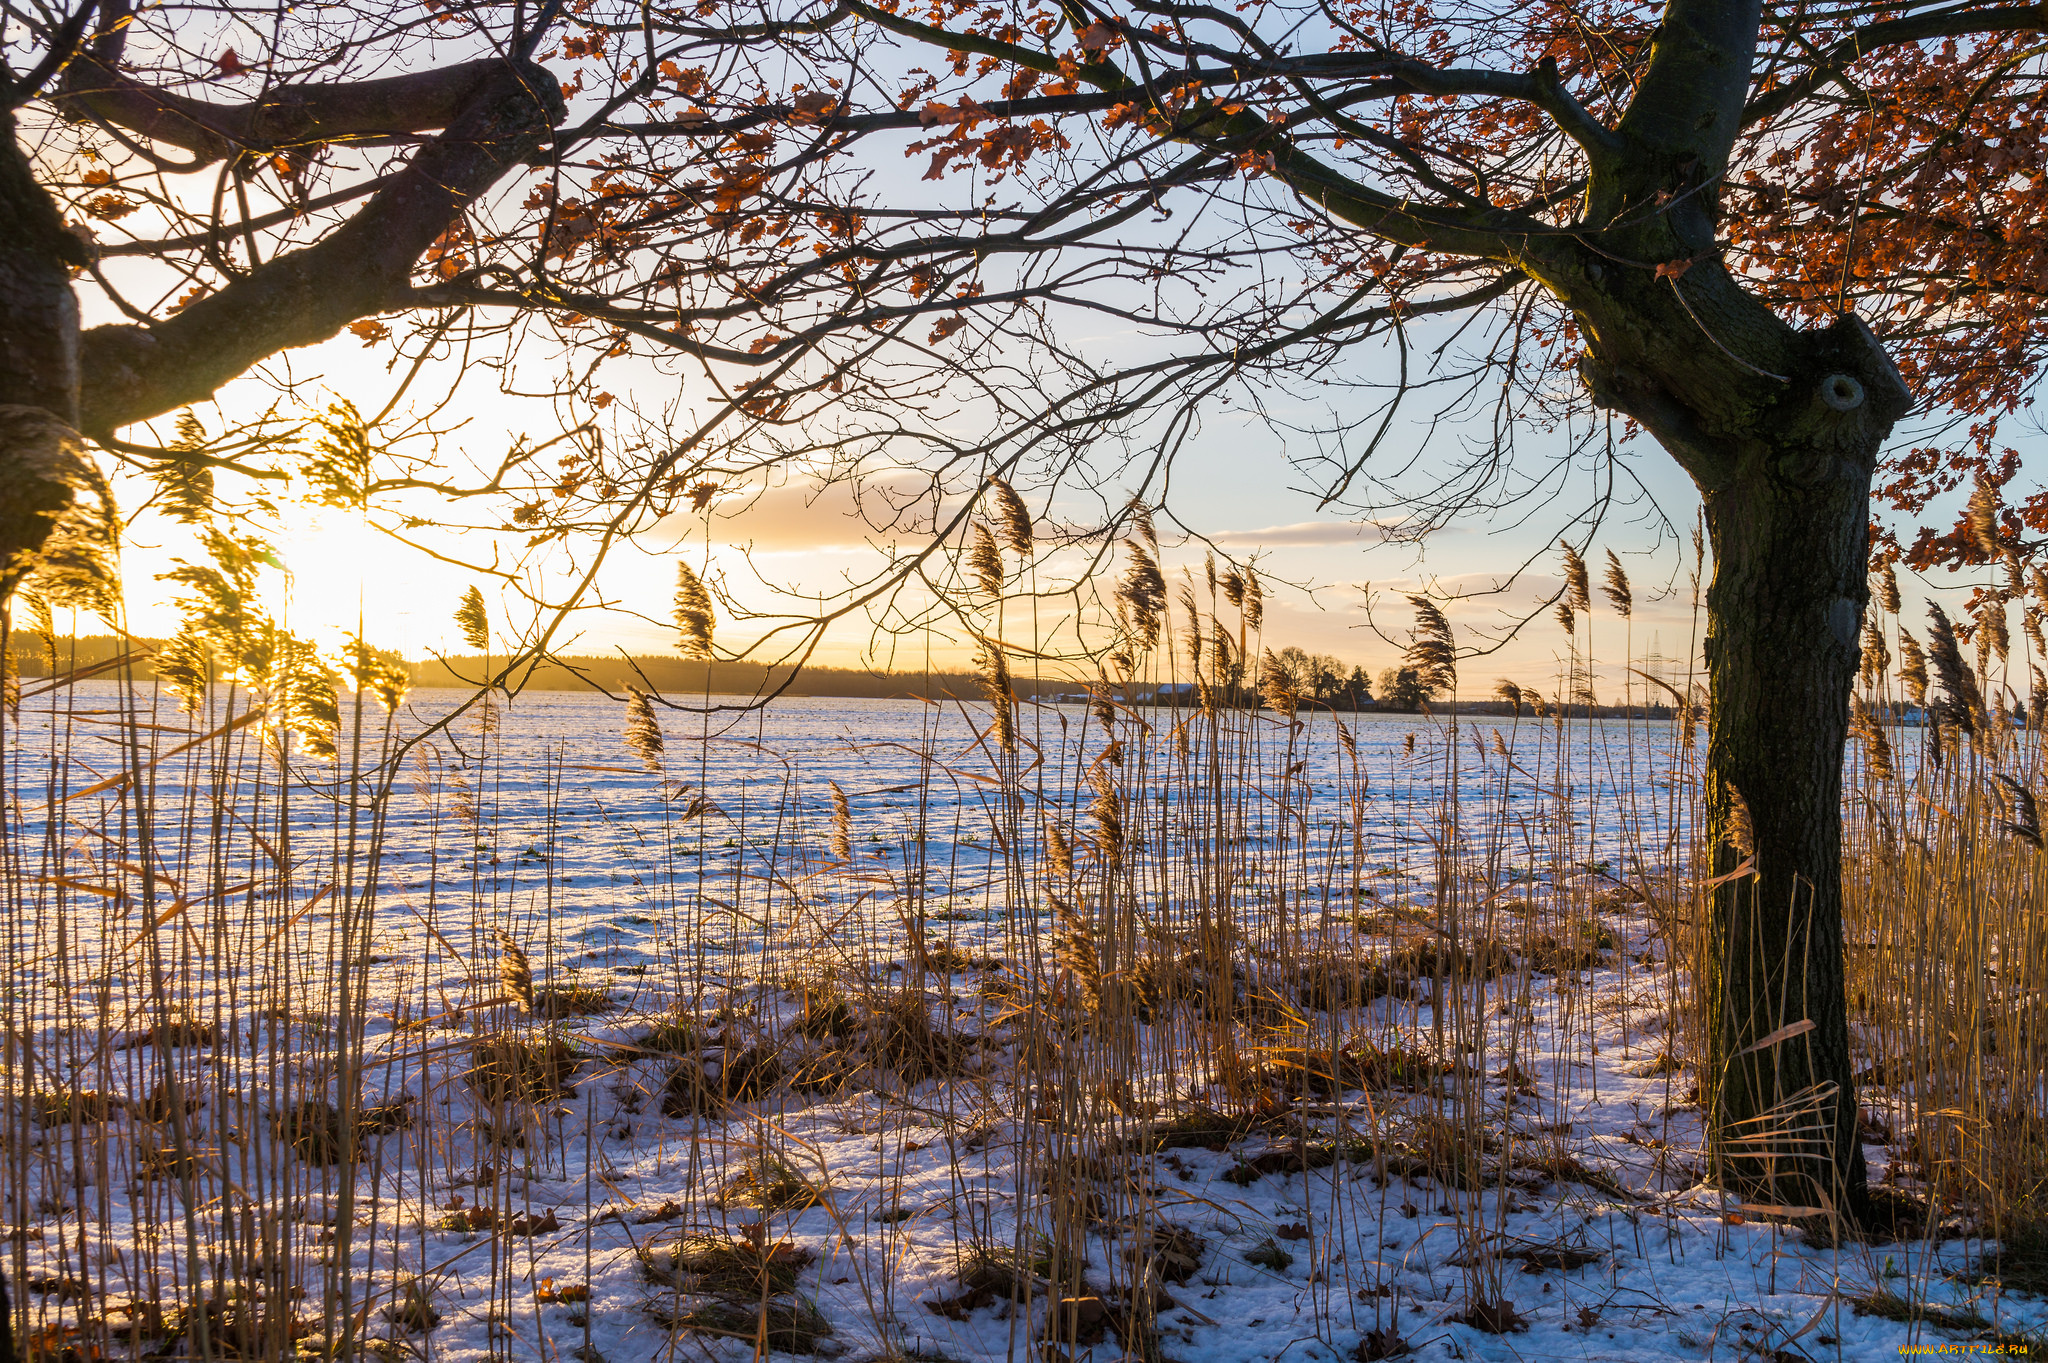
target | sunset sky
x=1233, y=485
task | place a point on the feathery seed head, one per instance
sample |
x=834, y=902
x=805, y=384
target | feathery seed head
x=643, y=733
x=693, y=617
x=985, y=562
x=473, y=621
x=1012, y=517
x=1578, y=589
x=1615, y=587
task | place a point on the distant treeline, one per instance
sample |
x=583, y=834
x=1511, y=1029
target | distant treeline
x=669, y=675
x=678, y=677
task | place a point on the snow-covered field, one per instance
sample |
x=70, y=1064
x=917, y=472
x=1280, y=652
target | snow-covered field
x=174, y=1005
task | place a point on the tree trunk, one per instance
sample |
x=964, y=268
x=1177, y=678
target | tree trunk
x=1783, y=453
x=1785, y=611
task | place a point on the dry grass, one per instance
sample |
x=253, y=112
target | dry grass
x=1181, y=958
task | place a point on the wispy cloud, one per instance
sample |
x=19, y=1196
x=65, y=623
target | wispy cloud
x=1306, y=535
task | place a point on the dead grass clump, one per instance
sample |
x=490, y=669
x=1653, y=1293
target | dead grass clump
x=1196, y=979
x=1890, y=1305
x=712, y=1262
x=675, y=1033
x=901, y=1036
x=824, y=1015
x=317, y=1134
x=178, y=1029
x=783, y=1327
x=1268, y=1254
x=1434, y=959
x=1565, y=1169
x=946, y=958
x=823, y=1071
x=1199, y=1128
x=1296, y=1068
x=2020, y=1263
x=560, y=1002
x=248, y=1327
x=1292, y=1157
x=83, y=1107
x=706, y=1082
x=768, y=1183
x=412, y=1308
x=988, y=1275
x=1492, y=1317
x=1377, y=1345
x=1169, y=1251
x=1551, y=955
x=505, y=1068
x=1436, y=1148
x=1330, y=986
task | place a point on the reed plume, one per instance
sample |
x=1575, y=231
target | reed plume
x=1961, y=700
x=1877, y=746
x=1740, y=830
x=1992, y=637
x=78, y=565
x=1141, y=521
x=643, y=734
x=1615, y=587
x=2030, y=625
x=380, y=677
x=1100, y=707
x=1059, y=853
x=1277, y=686
x=515, y=972
x=693, y=617
x=462, y=802
x=1219, y=651
x=993, y=667
x=1565, y=619
x=2025, y=823
x=1433, y=654
x=1876, y=657
x=1888, y=589
x=1209, y=568
x=1233, y=587
x=1193, y=637
x=1011, y=517
x=1507, y=691
x=1578, y=589
x=842, y=824
x=302, y=699
x=1254, y=602
x=1074, y=949
x=1981, y=518
x=473, y=621
x=1107, y=811
x=985, y=562
x=423, y=774
x=1141, y=596
x=185, y=486
x=182, y=665
x=1913, y=668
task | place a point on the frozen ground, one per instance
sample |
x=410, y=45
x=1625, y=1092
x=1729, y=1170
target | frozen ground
x=587, y=860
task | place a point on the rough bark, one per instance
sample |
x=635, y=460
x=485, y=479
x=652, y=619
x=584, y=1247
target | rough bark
x=40, y=465
x=1784, y=465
